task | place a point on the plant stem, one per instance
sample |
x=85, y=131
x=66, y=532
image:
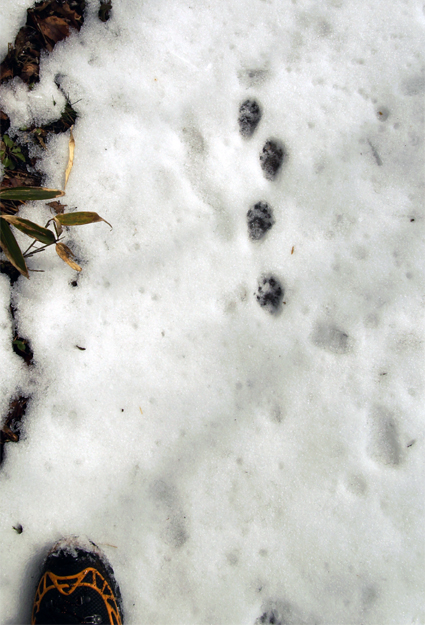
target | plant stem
x=39, y=249
x=28, y=249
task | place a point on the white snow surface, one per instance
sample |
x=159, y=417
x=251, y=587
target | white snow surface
x=232, y=464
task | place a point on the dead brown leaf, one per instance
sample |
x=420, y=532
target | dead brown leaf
x=12, y=423
x=21, y=179
x=29, y=70
x=47, y=23
x=6, y=71
x=70, y=15
x=57, y=207
x=9, y=435
x=54, y=28
x=67, y=255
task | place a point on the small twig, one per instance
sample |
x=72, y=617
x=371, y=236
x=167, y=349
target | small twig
x=39, y=249
x=28, y=249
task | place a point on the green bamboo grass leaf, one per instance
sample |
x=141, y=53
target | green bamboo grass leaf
x=31, y=229
x=29, y=193
x=79, y=218
x=11, y=248
x=8, y=163
x=67, y=255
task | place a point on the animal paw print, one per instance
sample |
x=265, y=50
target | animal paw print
x=271, y=159
x=260, y=217
x=260, y=220
x=249, y=117
x=270, y=293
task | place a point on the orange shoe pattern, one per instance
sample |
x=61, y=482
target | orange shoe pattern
x=88, y=577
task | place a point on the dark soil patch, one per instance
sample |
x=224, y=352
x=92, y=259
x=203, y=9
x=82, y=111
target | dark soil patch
x=12, y=425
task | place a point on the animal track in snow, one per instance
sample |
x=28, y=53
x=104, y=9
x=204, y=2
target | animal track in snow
x=331, y=339
x=271, y=158
x=384, y=444
x=249, y=117
x=260, y=220
x=260, y=217
x=270, y=293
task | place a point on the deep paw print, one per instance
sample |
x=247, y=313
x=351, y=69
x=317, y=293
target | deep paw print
x=271, y=158
x=260, y=220
x=270, y=293
x=249, y=117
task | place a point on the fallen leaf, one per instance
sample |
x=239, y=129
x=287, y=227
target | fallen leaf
x=54, y=28
x=6, y=70
x=57, y=207
x=79, y=218
x=71, y=148
x=21, y=179
x=9, y=435
x=17, y=408
x=29, y=70
x=71, y=16
x=67, y=255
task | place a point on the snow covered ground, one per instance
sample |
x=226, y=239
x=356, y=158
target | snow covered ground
x=234, y=464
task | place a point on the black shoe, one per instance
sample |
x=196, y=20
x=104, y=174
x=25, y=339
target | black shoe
x=77, y=585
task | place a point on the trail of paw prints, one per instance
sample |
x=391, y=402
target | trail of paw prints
x=260, y=218
x=273, y=154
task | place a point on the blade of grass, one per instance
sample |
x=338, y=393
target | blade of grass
x=11, y=248
x=29, y=193
x=71, y=148
x=31, y=229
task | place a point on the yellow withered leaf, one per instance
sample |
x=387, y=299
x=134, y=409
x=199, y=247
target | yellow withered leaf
x=67, y=255
x=71, y=148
